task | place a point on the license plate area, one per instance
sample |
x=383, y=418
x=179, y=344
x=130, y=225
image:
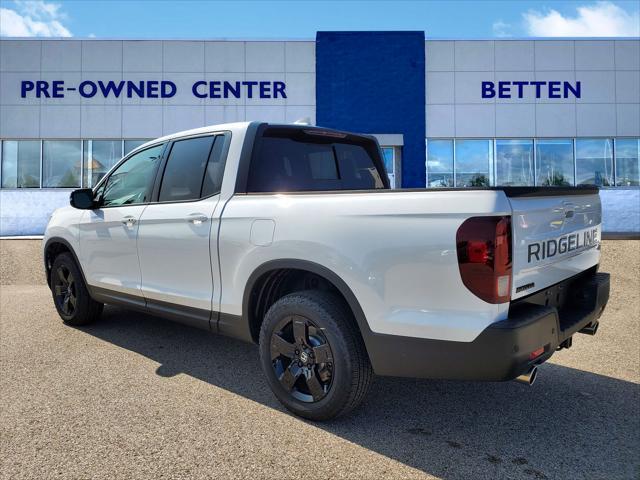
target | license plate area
x=573, y=298
x=554, y=296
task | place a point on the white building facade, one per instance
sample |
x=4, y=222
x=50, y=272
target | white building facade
x=449, y=113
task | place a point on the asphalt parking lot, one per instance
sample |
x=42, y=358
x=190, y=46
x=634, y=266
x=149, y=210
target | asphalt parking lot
x=140, y=397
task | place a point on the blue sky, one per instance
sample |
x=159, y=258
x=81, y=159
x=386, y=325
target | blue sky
x=301, y=19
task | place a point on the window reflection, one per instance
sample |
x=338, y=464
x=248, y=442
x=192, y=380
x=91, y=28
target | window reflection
x=21, y=164
x=514, y=162
x=61, y=160
x=131, y=182
x=99, y=157
x=473, y=161
x=387, y=153
x=594, y=162
x=627, y=162
x=440, y=163
x=554, y=162
x=130, y=145
x=388, y=156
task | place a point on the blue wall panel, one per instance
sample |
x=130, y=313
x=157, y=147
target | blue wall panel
x=374, y=82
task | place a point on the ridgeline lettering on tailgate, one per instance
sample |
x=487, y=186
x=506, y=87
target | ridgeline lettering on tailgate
x=559, y=246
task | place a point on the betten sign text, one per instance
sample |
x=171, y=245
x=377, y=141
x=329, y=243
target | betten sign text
x=541, y=89
x=152, y=89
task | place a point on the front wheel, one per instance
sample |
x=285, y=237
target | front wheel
x=70, y=295
x=313, y=355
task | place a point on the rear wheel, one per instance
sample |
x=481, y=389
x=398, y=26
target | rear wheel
x=313, y=355
x=70, y=295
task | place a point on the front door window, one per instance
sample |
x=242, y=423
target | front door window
x=131, y=182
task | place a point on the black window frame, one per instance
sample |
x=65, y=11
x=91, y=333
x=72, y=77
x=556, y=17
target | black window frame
x=155, y=195
x=255, y=133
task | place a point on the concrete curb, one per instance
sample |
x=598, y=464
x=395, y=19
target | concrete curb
x=621, y=236
x=22, y=237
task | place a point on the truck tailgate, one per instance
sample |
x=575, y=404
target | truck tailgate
x=555, y=236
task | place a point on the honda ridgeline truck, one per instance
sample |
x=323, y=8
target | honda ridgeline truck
x=290, y=237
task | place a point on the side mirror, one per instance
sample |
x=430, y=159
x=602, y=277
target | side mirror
x=82, y=199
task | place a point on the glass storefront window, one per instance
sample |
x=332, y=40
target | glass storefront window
x=514, y=162
x=594, y=162
x=99, y=156
x=473, y=163
x=388, y=156
x=440, y=163
x=61, y=160
x=130, y=145
x=387, y=153
x=628, y=162
x=554, y=162
x=20, y=164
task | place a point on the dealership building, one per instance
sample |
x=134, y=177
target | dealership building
x=448, y=113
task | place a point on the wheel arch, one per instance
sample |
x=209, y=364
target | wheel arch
x=259, y=275
x=54, y=247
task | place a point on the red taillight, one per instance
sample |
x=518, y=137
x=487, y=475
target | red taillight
x=477, y=252
x=484, y=257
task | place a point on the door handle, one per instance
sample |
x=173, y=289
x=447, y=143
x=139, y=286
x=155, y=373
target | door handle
x=197, y=219
x=129, y=221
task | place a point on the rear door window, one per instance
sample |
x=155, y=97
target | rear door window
x=292, y=161
x=215, y=167
x=184, y=173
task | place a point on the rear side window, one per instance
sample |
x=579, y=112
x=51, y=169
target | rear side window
x=215, y=168
x=189, y=173
x=293, y=161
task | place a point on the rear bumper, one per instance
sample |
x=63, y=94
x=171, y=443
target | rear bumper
x=501, y=351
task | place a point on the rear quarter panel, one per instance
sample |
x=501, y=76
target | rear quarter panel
x=395, y=250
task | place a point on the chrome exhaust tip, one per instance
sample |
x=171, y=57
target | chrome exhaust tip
x=529, y=377
x=591, y=329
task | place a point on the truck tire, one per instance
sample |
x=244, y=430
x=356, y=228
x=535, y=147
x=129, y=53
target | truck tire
x=313, y=355
x=70, y=295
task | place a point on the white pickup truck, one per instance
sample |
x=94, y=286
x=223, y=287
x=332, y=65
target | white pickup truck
x=289, y=236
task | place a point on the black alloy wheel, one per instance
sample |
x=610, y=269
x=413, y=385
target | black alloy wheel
x=313, y=355
x=65, y=290
x=302, y=358
x=70, y=294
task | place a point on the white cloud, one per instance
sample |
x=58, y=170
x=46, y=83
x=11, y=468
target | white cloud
x=601, y=19
x=33, y=19
x=501, y=29
x=40, y=9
